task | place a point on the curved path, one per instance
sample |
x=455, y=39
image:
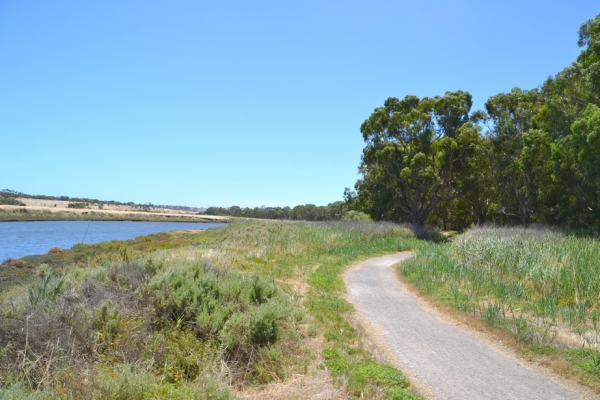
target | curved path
x=449, y=362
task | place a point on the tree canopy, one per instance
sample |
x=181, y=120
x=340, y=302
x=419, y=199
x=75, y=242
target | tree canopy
x=533, y=155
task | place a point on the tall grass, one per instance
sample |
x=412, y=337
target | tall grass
x=526, y=280
x=538, y=284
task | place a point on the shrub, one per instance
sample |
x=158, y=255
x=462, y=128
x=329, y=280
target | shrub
x=10, y=201
x=242, y=313
x=55, y=250
x=77, y=204
x=17, y=263
x=356, y=216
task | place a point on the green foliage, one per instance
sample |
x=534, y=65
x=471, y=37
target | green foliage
x=45, y=292
x=307, y=212
x=19, y=392
x=10, y=201
x=243, y=314
x=524, y=281
x=375, y=376
x=355, y=216
x=9, y=197
x=587, y=360
x=427, y=160
x=418, y=148
x=76, y=204
x=128, y=382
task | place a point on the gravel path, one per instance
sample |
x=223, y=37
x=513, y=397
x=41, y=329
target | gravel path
x=450, y=362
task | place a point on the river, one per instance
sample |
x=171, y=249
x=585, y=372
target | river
x=18, y=239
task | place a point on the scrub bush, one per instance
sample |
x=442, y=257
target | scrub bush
x=244, y=313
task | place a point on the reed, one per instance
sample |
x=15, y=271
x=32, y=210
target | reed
x=534, y=282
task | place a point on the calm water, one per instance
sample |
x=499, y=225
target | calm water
x=18, y=239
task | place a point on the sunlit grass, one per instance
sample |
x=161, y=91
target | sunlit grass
x=190, y=315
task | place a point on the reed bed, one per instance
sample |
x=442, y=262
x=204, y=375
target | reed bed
x=539, y=284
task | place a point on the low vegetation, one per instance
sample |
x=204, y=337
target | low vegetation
x=10, y=201
x=540, y=285
x=78, y=204
x=193, y=315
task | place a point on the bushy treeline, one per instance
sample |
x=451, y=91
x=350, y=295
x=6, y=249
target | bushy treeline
x=307, y=212
x=533, y=155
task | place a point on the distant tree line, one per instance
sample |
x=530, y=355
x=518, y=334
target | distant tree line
x=7, y=193
x=533, y=155
x=8, y=196
x=306, y=212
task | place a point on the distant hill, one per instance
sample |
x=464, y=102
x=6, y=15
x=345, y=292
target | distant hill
x=12, y=197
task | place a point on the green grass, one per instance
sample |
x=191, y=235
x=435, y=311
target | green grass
x=524, y=281
x=193, y=315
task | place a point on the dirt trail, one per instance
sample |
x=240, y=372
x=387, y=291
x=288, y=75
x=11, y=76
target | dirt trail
x=449, y=362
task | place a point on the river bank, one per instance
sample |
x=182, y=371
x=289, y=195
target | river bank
x=42, y=213
x=250, y=310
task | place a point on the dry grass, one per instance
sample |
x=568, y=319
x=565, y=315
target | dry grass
x=38, y=213
x=299, y=387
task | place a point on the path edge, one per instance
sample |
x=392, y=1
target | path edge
x=382, y=351
x=371, y=333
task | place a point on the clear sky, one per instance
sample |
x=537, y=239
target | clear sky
x=252, y=103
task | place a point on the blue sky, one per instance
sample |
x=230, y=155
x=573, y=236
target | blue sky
x=243, y=102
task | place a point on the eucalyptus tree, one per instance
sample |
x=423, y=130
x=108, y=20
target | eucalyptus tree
x=555, y=168
x=416, y=155
x=586, y=146
x=511, y=115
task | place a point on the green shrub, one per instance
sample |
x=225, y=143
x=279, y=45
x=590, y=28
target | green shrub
x=11, y=201
x=356, y=216
x=76, y=204
x=243, y=313
x=20, y=392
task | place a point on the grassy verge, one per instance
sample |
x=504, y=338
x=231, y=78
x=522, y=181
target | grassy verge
x=14, y=214
x=540, y=286
x=194, y=315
